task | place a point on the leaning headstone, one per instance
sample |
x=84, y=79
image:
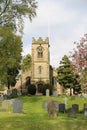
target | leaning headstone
x=85, y=110
x=45, y=104
x=71, y=113
x=47, y=92
x=75, y=107
x=62, y=107
x=17, y=106
x=51, y=108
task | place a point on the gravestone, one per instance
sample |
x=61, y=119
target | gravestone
x=62, y=107
x=1, y=98
x=55, y=93
x=9, y=92
x=85, y=110
x=47, y=92
x=75, y=107
x=2, y=110
x=11, y=101
x=57, y=104
x=45, y=103
x=84, y=95
x=17, y=106
x=5, y=104
x=5, y=97
x=65, y=100
x=71, y=113
x=51, y=108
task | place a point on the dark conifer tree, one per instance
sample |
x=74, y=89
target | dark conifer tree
x=66, y=75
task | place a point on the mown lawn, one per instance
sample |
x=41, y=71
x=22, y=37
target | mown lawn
x=35, y=117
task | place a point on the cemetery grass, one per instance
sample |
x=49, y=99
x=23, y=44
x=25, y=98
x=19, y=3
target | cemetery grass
x=35, y=117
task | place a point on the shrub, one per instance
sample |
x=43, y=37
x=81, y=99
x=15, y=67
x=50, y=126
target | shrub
x=32, y=89
x=14, y=93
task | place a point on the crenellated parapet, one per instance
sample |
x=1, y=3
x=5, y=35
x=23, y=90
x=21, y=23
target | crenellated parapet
x=33, y=40
x=40, y=40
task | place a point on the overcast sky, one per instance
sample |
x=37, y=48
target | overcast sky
x=63, y=21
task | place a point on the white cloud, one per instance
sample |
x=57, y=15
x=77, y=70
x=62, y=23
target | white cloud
x=63, y=21
x=55, y=14
x=50, y=13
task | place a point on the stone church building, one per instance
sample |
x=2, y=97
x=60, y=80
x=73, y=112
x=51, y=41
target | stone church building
x=41, y=71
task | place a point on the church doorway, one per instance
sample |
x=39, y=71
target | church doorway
x=39, y=87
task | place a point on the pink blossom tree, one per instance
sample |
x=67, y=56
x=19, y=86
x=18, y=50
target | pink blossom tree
x=79, y=59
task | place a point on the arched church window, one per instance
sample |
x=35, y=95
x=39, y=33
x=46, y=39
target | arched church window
x=40, y=52
x=39, y=69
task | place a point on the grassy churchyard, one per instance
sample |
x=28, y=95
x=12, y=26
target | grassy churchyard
x=35, y=116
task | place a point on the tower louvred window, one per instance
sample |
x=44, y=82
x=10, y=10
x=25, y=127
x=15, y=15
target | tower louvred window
x=40, y=52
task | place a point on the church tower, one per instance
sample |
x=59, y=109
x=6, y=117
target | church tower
x=40, y=62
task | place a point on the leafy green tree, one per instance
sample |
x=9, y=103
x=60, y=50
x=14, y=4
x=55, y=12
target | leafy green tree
x=10, y=53
x=13, y=12
x=66, y=75
x=26, y=63
x=12, y=15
